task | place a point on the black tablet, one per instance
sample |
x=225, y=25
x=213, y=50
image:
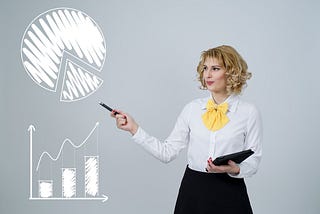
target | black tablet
x=237, y=157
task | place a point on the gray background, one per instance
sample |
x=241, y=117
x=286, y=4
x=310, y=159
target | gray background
x=153, y=48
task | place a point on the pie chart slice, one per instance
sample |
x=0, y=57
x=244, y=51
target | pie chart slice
x=78, y=83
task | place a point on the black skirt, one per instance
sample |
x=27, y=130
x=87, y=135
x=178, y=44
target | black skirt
x=202, y=193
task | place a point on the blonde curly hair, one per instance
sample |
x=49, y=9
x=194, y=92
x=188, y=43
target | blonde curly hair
x=236, y=68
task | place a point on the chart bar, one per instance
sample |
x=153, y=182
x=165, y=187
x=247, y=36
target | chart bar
x=45, y=188
x=91, y=176
x=68, y=182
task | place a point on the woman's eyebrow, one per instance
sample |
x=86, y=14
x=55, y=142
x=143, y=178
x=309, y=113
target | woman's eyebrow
x=215, y=65
x=219, y=66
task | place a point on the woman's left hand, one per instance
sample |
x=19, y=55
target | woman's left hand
x=231, y=168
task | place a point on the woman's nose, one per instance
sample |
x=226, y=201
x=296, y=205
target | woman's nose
x=207, y=74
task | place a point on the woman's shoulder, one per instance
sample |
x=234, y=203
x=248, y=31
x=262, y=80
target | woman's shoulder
x=248, y=107
x=246, y=104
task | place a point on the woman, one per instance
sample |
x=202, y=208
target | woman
x=217, y=125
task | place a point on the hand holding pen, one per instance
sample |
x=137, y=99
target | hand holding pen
x=123, y=120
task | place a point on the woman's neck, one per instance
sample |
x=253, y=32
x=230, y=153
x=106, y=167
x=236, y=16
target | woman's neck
x=219, y=98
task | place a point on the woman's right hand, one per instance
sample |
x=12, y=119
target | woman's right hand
x=125, y=121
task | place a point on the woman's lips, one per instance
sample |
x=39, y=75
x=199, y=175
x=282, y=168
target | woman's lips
x=209, y=82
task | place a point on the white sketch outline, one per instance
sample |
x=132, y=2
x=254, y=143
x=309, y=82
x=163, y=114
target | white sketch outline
x=87, y=178
x=39, y=187
x=64, y=82
x=64, y=142
x=31, y=129
x=66, y=188
x=38, y=20
x=103, y=198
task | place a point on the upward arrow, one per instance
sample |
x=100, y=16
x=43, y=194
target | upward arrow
x=31, y=129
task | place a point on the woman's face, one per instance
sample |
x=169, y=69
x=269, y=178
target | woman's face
x=214, y=76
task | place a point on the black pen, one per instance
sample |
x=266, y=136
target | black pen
x=107, y=107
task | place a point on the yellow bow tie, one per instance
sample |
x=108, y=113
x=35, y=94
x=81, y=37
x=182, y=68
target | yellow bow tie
x=215, y=117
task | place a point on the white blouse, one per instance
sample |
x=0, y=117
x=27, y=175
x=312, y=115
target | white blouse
x=243, y=131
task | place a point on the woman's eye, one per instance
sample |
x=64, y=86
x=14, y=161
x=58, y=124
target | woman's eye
x=216, y=69
x=205, y=68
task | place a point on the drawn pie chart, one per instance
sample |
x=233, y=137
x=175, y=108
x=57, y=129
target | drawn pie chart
x=63, y=50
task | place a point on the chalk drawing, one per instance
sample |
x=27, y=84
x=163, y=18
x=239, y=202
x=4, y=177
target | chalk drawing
x=91, y=175
x=49, y=41
x=69, y=175
x=68, y=182
x=78, y=83
x=45, y=188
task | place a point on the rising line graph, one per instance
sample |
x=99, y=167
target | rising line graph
x=61, y=147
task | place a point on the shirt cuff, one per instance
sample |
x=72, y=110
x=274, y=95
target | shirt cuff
x=140, y=136
x=240, y=175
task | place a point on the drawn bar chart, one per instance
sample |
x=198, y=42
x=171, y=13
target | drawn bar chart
x=68, y=179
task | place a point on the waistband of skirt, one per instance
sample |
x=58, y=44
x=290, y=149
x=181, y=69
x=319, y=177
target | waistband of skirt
x=196, y=173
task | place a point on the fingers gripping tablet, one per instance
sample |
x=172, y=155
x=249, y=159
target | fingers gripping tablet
x=237, y=157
